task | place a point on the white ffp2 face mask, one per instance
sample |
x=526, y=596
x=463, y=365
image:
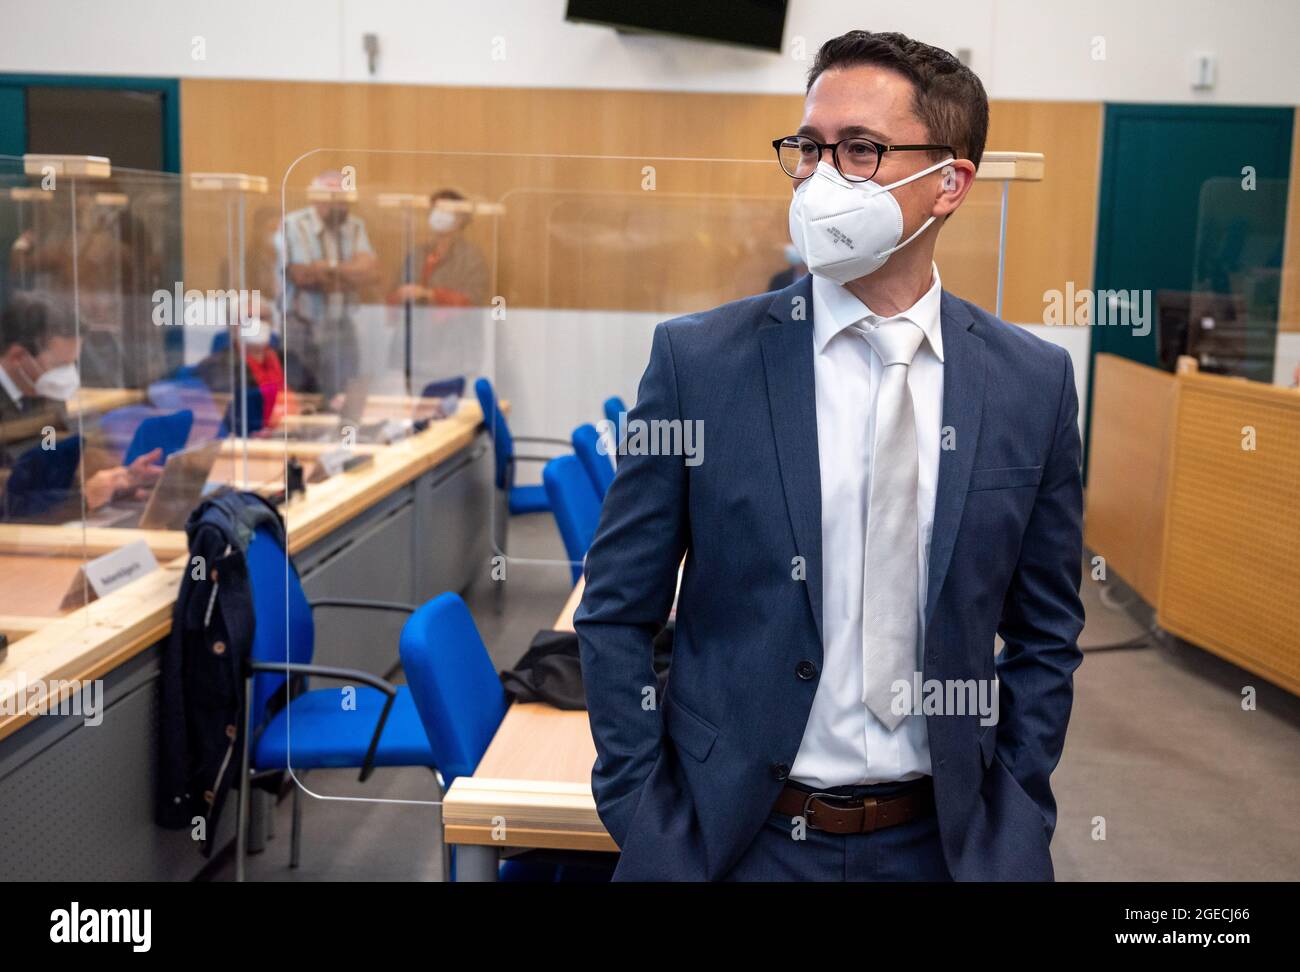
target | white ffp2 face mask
x=845, y=230
x=442, y=220
x=60, y=383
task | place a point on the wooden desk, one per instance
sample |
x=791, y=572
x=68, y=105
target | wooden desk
x=89, y=642
x=33, y=590
x=38, y=563
x=532, y=787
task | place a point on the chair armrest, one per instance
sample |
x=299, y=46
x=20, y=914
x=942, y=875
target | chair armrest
x=348, y=602
x=345, y=675
x=326, y=671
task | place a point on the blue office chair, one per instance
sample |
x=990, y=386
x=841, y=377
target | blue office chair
x=460, y=699
x=523, y=499
x=42, y=479
x=445, y=388
x=586, y=446
x=166, y=432
x=186, y=390
x=117, y=426
x=614, y=407
x=454, y=684
x=312, y=730
x=576, y=506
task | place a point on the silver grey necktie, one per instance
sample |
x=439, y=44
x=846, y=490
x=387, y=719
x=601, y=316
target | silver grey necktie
x=890, y=581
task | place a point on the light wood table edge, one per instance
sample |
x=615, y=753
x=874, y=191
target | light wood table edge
x=523, y=837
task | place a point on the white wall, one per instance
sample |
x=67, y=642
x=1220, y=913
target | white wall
x=1028, y=49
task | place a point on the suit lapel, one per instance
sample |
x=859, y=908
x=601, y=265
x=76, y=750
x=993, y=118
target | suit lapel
x=963, y=407
x=787, y=344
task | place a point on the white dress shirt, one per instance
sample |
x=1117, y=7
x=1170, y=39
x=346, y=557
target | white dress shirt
x=843, y=742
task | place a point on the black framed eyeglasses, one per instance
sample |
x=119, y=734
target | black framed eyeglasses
x=857, y=158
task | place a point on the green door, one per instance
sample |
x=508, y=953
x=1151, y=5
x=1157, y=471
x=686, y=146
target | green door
x=1192, y=218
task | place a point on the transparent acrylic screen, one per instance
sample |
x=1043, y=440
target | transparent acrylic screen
x=117, y=415
x=408, y=277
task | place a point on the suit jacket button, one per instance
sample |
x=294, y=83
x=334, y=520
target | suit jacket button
x=780, y=771
x=806, y=670
x=218, y=648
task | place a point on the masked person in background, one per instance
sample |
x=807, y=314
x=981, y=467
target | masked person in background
x=263, y=381
x=453, y=277
x=453, y=272
x=48, y=469
x=328, y=261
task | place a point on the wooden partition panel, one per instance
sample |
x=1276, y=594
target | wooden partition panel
x=1128, y=468
x=1230, y=581
x=262, y=127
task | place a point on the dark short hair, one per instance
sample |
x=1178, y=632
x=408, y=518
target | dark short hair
x=947, y=96
x=30, y=321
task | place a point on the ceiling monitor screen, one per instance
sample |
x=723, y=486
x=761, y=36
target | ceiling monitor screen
x=748, y=23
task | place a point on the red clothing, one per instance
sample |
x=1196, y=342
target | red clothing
x=268, y=375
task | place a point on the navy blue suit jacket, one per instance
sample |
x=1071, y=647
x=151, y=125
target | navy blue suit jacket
x=684, y=783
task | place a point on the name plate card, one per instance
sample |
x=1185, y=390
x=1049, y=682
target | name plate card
x=107, y=573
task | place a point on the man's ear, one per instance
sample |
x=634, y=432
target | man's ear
x=955, y=180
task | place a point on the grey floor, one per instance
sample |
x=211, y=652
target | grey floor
x=1164, y=777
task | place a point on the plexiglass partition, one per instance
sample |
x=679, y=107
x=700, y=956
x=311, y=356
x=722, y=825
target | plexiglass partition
x=41, y=403
x=120, y=409
x=1229, y=320
x=422, y=288
x=408, y=276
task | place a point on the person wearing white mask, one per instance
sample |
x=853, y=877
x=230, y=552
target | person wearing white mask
x=452, y=285
x=38, y=360
x=889, y=478
x=39, y=347
x=453, y=272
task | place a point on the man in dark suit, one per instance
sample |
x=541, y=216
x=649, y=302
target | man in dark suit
x=889, y=478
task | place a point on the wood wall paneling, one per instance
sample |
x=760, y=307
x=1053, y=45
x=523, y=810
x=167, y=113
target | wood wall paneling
x=265, y=127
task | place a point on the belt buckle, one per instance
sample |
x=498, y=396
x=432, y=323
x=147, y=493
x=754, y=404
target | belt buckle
x=868, y=807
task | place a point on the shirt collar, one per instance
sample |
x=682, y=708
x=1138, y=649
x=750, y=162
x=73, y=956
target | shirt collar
x=834, y=309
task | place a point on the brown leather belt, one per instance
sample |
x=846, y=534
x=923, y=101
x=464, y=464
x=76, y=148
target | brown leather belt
x=857, y=815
